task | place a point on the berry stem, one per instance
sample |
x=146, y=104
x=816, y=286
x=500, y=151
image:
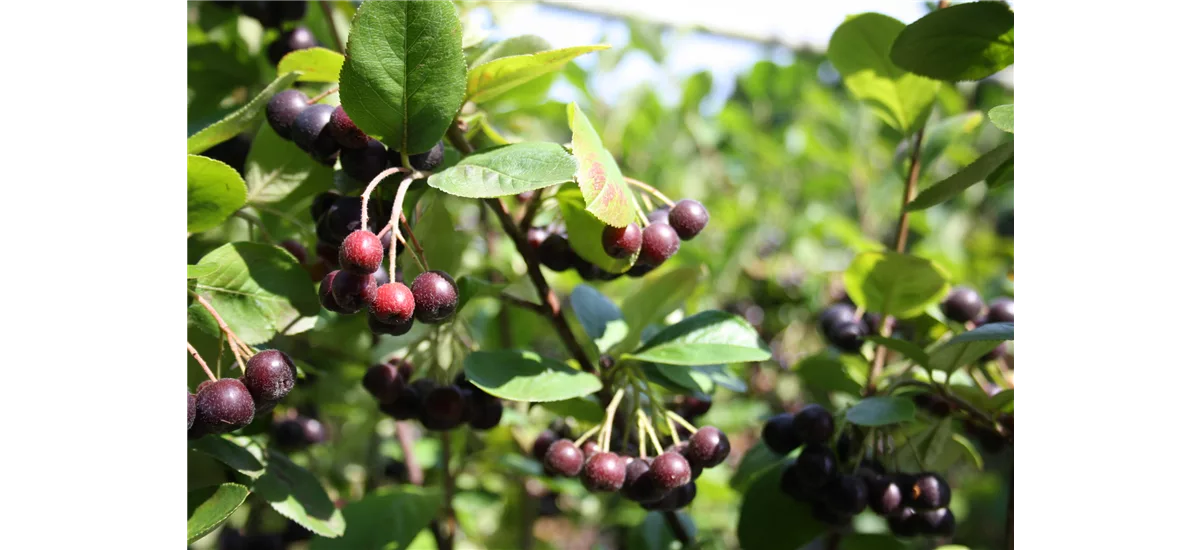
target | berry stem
x=396, y=221
x=588, y=434
x=673, y=416
x=650, y=189
x=649, y=427
x=196, y=356
x=371, y=187
x=674, y=432
x=220, y=352
x=323, y=95
x=609, y=414
x=234, y=341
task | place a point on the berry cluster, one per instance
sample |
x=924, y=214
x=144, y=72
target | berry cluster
x=276, y=15
x=438, y=407
x=838, y=489
x=653, y=244
x=297, y=432
x=224, y=405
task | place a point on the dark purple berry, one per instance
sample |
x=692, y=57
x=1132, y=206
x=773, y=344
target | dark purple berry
x=621, y=242
x=813, y=424
x=383, y=382
x=676, y=498
x=270, y=375
x=792, y=485
x=589, y=448
x=962, y=304
x=846, y=495
x=435, y=295
x=693, y=406
x=325, y=292
x=659, y=242
x=310, y=131
x=543, y=442
x=563, y=458
x=443, y=408
x=778, y=435
x=347, y=134
x=288, y=435
x=708, y=447
x=429, y=160
x=555, y=253
x=939, y=523
x=296, y=249
x=927, y=491
x=848, y=336
x=191, y=410
x=670, y=470
x=639, y=270
x=352, y=292
x=661, y=214
x=394, y=305
x=1000, y=311
x=903, y=523
x=834, y=315
x=282, y=110
x=638, y=486
x=314, y=430
x=486, y=411
x=604, y=472
x=816, y=465
x=224, y=406
x=366, y=162
x=824, y=513
x=406, y=406
x=883, y=495
x=687, y=218
x=299, y=38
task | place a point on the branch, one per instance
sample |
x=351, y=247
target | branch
x=520, y=302
x=196, y=356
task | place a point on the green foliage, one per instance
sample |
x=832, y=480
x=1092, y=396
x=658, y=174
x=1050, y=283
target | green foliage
x=975, y=172
x=1002, y=117
x=239, y=120
x=703, y=339
x=385, y=519
x=881, y=411
x=605, y=192
x=507, y=170
x=279, y=172
x=766, y=511
x=967, y=41
x=493, y=78
x=209, y=506
x=601, y=319
x=968, y=347
x=313, y=64
x=214, y=192
x=895, y=284
x=527, y=376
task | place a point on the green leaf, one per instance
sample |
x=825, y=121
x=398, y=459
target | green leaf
x=258, y=289
x=436, y=225
x=766, y=511
x=904, y=347
x=606, y=194
x=966, y=448
x=757, y=460
x=706, y=338
x=688, y=379
x=658, y=296
x=584, y=231
x=858, y=50
x=233, y=453
x=881, y=411
x=313, y=64
x=209, y=506
x=1002, y=117
x=491, y=79
x=195, y=271
x=825, y=373
x=975, y=172
x=507, y=170
x=935, y=444
x=214, y=192
x=963, y=42
x=1001, y=176
x=404, y=76
x=580, y=408
x=239, y=120
x=894, y=284
x=968, y=347
x=384, y=520
x=721, y=375
x=1001, y=401
x=938, y=137
x=517, y=45
x=278, y=171
x=470, y=287
x=601, y=319
x=527, y=376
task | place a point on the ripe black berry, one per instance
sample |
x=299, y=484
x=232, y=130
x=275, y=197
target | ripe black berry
x=352, y=292
x=639, y=270
x=429, y=160
x=846, y=494
x=708, y=447
x=962, y=304
x=366, y=162
x=296, y=250
x=903, y=523
x=555, y=253
x=406, y=406
x=325, y=293
x=224, y=406
x=314, y=430
x=299, y=38
x=938, y=522
x=816, y=465
x=1000, y=311
x=813, y=424
x=693, y=406
x=191, y=410
x=347, y=134
x=443, y=408
x=381, y=328
x=834, y=315
x=848, y=336
x=321, y=204
x=563, y=458
x=825, y=513
x=394, y=305
x=383, y=382
x=435, y=295
x=927, y=491
x=344, y=216
x=778, y=435
x=621, y=242
x=792, y=484
x=670, y=470
x=283, y=109
x=687, y=218
x=310, y=131
x=883, y=495
x=270, y=375
x=638, y=486
x=604, y=471
x=535, y=236
x=486, y=411
x=676, y=498
x=934, y=403
x=659, y=242
x=661, y=214
x=543, y=442
x=288, y=435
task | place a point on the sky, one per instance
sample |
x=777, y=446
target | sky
x=795, y=23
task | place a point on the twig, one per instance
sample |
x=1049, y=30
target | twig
x=520, y=302
x=395, y=222
x=682, y=422
x=530, y=211
x=196, y=356
x=328, y=10
x=650, y=189
x=234, y=341
x=609, y=414
x=323, y=95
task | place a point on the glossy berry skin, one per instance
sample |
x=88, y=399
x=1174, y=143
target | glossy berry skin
x=380, y=328
x=344, y=216
x=299, y=38
x=813, y=424
x=563, y=458
x=670, y=470
x=793, y=485
x=883, y=495
x=928, y=491
x=659, y=243
x=325, y=293
x=638, y=486
x=353, y=292
x=429, y=160
x=903, y=523
x=589, y=448
x=191, y=410
x=938, y=523
x=603, y=472
x=361, y=253
x=675, y=499
x=661, y=214
x=321, y=204
x=708, y=447
x=314, y=430
x=347, y=134
x=393, y=305
x=366, y=162
x=1000, y=311
x=824, y=513
x=310, y=131
x=535, y=237
x=816, y=465
x=486, y=411
x=846, y=495
x=282, y=110
x=693, y=406
x=270, y=375
x=778, y=435
x=435, y=295
x=621, y=242
x=444, y=408
x=555, y=253
x=962, y=304
x=406, y=406
x=834, y=315
x=383, y=382
x=224, y=406
x=543, y=442
x=848, y=336
x=688, y=218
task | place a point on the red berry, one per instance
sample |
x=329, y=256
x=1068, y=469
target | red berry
x=352, y=292
x=638, y=485
x=688, y=217
x=621, y=242
x=604, y=471
x=345, y=131
x=670, y=470
x=325, y=292
x=659, y=242
x=443, y=408
x=543, y=442
x=361, y=253
x=563, y=458
x=393, y=304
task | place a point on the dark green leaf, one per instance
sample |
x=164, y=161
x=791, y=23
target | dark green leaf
x=527, y=376
x=1002, y=401
x=491, y=79
x=859, y=49
x=507, y=170
x=214, y=192
x=655, y=534
x=584, y=231
x=278, y=171
x=517, y=45
x=895, y=284
x=967, y=41
x=825, y=373
x=600, y=318
x=209, y=506
x=975, y=172
x=703, y=339
x=935, y=444
x=404, y=77
x=881, y=411
x=313, y=64
x=1001, y=176
x=967, y=449
x=688, y=379
x=1002, y=117
x=258, y=289
x=232, y=453
x=385, y=520
x=968, y=347
x=582, y=409
x=904, y=347
x=605, y=192
x=203, y=471
x=722, y=376
x=771, y=520
x=436, y=225
x=658, y=296
x=758, y=459
x=239, y=120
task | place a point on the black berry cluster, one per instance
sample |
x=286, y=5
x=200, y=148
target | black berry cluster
x=282, y=16
x=297, y=432
x=838, y=489
x=438, y=407
x=843, y=329
x=653, y=244
x=224, y=405
x=965, y=305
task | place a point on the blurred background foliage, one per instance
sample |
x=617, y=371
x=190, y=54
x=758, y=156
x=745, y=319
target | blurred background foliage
x=797, y=177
